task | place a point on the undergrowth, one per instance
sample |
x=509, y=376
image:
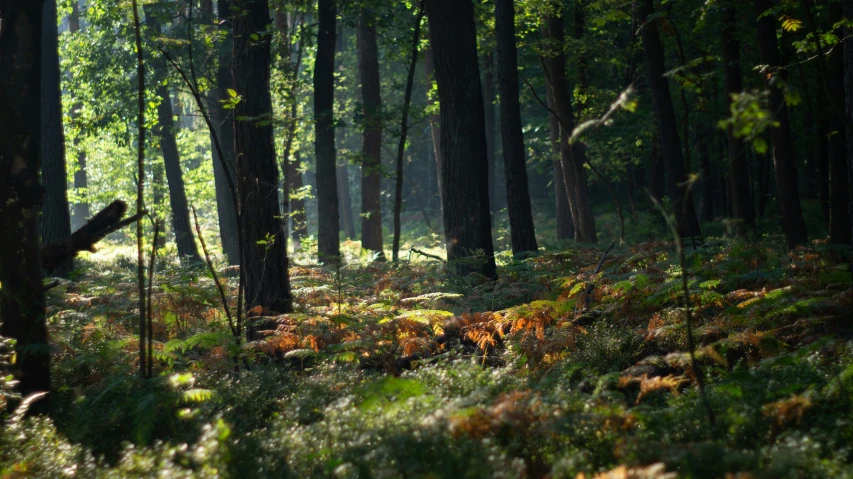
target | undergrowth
x=388, y=371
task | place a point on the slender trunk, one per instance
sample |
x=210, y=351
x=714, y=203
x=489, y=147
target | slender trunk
x=822, y=165
x=565, y=223
x=848, y=104
x=371, y=149
x=707, y=176
x=489, y=99
x=297, y=203
x=738, y=164
x=324, y=143
x=264, y=247
x=764, y=161
x=522, y=233
x=140, y=185
x=347, y=226
x=56, y=220
x=434, y=121
x=573, y=156
x=685, y=213
x=657, y=173
x=784, y=156
x=404, y=131
x=158, y=186
x=464, y=185
x=839, y=190
x=80, y=211
x=22, y=304
x=224, y=128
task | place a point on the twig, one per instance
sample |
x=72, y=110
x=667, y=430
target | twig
x=151, y=265
x=697, y=371
x=591, y=287
x=215, y=277
x=422, y=253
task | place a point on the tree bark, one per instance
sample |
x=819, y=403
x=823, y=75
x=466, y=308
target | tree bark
x=464, y=186
x=371, y=149
x=489, y=99
x=56, y=220
x=738, y=164
x=224, y=127
x=775, y=78
x=324, y=144
x=264, y=247
x=22, y=304
x=848, y=104
x=685, y=213
x=522, y=232
x=839, y=190
x=573, y=156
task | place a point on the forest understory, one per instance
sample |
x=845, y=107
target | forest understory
x=402, y=371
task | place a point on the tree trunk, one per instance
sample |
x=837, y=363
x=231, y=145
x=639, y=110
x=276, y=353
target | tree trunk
x=264, y=247
x=848, y=104
x=324, y=144
x=80, y=211
x=434, y=121
x=685, y=213
x=22, y=304
x=165, y=132
x=784, y=156
x=738, y=165
x=489, y=116
x=297, y=204
x=371, y=146
x=522, y=231
x=573, y=156
x=56, y=221
x=224, y=128
x=822, y=165
x=839, y=190
x=657, y=173
x=707, y=176
x=464, y=184
x=347, y=225
x=565, y=224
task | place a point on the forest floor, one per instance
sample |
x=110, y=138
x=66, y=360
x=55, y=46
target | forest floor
x=384, y=371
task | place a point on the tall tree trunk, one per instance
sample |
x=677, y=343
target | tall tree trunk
x=685, y=213
x=522, y=231
x=404, y=131
x=264, y=247
x=848, y=103
x=224, y=128
x=784, y=156
x=707, y=176
x=573, y=155
x=346, y=223
x=657, y=173
x=738, y=165
x=434, y=121
x=371, y=146
x=165, y=131
x=822, y=164
x=464, y=184
x=80, y=210
x=56, y=220
x=324, y=144
x=489, y=112
x=297, y=203
x=565, y=223
x=839, y=190
x=22, y=304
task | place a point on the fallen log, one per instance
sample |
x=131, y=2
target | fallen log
x=107, y=221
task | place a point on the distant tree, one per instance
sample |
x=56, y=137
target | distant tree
x=522, y=232
x=489, y=99
x=328, y=246
x=738, y=165
x=22, y=303
x=565, y=224
x=464, y=186
x=434, y=119
x=264, y=247
x=572, y=155
x=371, y=150
x=784, y=155
x=165, y=132
x=80, y=209
x=676, y=174
x=56, y=220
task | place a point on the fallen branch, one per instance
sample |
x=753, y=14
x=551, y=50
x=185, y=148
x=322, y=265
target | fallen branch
x=422, y=253
x=107, y=221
